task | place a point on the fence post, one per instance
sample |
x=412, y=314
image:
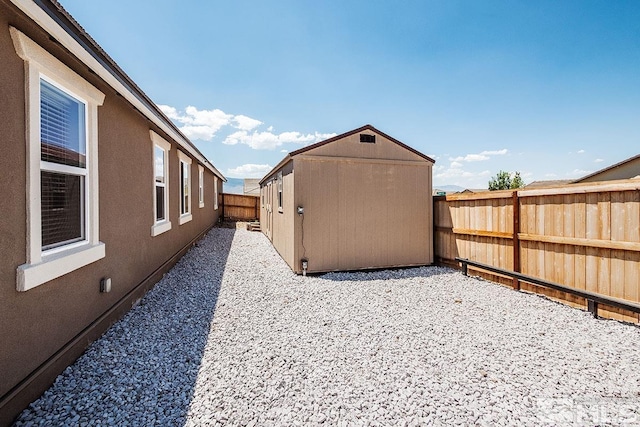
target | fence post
x=516, y=239
x=221, y=196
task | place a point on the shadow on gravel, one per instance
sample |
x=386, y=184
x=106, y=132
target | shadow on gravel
x=387, y=274
x=143, y=370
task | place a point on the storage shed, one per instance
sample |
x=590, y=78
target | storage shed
x=360, y=200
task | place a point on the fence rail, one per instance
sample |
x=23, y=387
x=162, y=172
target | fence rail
x=240, y=207
x=582, y=236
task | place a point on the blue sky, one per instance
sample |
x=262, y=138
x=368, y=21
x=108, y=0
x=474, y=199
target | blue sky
x=547, y=88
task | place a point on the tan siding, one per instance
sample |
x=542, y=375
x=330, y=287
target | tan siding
x=277, y=224
x=627, y=170
x=352, y=147
x=363, y=215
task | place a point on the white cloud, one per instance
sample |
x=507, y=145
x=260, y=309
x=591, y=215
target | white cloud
x=199, y=124
x=246, y=123
x=550, y=175
x=484, y=155
x=249, y=170
x=495, y=152
x=580, y=151
x=598, y=160
x=456, y=165
x=470, y=158
x=284, y=151
x=269, y=141
x=454, y=173
x=205, y=124
x=170, y=112
x=578, y=173
x=205, y=133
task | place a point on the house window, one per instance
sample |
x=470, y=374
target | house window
x=161, y=150
x=215, y=193
x=200, y=186
x=185, y=188
x=61, y=168
x=279, y=191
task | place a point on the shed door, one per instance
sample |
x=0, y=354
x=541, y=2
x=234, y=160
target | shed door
x=269, y=210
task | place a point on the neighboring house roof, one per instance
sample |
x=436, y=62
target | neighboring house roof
x=610, y=170
x=548, y=183
x=292, y=154
x=53, y=18
x=473, y=190
x=251, y=186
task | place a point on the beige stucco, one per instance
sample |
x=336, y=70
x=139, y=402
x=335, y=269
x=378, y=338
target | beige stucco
x=365, y=206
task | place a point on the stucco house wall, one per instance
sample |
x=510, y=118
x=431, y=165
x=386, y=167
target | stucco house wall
x=47, y=326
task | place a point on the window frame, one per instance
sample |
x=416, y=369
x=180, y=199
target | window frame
x=185, y=208
x=160, y=226
x=42, y=266
x=280, y=195
x=200, y=186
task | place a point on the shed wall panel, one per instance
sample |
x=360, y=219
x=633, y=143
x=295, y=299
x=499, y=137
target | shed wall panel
x=278, y=223
x=361, y=214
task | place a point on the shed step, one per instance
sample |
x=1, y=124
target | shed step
x=253, y=226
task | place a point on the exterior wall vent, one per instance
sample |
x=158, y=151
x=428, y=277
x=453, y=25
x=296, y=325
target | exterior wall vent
x=371, y=139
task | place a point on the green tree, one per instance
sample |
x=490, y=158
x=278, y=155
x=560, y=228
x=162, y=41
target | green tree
x=504, y=181
x=517, y=181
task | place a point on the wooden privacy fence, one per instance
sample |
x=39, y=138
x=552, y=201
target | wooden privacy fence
x=240, y=207
x=583, y=236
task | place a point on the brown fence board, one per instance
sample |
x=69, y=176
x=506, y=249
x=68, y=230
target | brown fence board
x=241, y=207
x=585, y=236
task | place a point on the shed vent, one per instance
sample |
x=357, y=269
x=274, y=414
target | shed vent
x=367, y=138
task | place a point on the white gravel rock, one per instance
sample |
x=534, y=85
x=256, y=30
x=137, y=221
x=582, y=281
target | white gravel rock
x=232, y=337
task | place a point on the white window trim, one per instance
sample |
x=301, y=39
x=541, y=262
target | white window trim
x=44, y=266
x=160, y=227
x=215, y=193
x=200, y=186
x=280, y=191
x=185, y=217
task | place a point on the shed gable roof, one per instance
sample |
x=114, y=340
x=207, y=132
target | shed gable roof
x=309, y=149
x=356, y=131
x=624, y=163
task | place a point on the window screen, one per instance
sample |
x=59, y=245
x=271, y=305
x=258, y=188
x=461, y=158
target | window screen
x=62, y=127
x=160, y=183
x=280, y=190
x=63, y=143
x=185, y=188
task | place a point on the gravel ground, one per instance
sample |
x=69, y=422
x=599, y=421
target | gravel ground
x=232, y=336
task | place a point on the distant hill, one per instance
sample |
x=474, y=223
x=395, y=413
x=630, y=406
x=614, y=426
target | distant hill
x=234, y=186
x=448, y=188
